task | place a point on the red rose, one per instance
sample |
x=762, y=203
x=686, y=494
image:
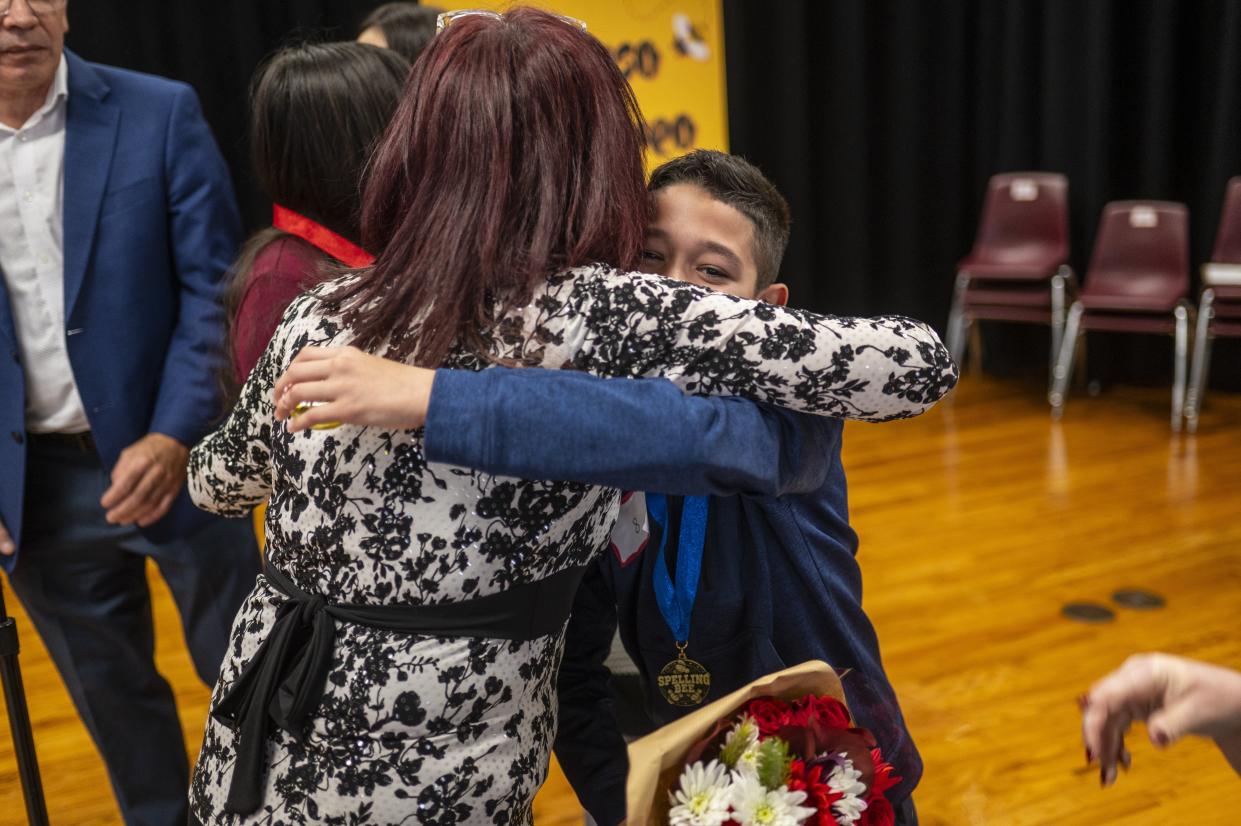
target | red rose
x=878, y=813
x=770, y=714
x=828, y=711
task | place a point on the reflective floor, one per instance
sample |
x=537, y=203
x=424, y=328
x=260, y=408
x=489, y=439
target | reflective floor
x=979, y=523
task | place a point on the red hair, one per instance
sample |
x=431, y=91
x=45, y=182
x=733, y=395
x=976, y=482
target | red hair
x=516, y=153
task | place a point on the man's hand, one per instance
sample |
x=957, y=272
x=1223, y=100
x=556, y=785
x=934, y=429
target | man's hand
x=146, y=480
x=7, y=546
x=353, y=387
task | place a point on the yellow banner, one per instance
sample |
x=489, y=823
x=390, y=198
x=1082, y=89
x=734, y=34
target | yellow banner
x=672, y=52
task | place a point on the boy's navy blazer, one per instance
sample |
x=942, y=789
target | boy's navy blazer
x=779, y=585
x=150, y=227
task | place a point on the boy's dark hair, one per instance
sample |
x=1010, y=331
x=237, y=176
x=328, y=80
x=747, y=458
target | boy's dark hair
x=735, y=181
x=408, y=27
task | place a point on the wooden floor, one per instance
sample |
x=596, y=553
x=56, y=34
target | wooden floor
x=979, y=522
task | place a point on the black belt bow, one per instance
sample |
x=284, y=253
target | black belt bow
x=284, y=682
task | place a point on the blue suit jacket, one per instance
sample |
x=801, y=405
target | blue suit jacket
x=779, y=584
x=150, y=227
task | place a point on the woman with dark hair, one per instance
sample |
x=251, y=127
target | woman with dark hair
x=406, y=28
x=316, y=113
x=396, y=662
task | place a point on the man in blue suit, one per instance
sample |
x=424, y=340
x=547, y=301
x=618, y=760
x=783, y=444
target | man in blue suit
x=118, y=223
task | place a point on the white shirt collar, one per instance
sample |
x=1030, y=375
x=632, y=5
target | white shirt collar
x=60, y=84
x=58, y=91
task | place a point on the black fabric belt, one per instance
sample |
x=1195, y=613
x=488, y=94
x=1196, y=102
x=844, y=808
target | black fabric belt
x=83, y=442
x=284, y=681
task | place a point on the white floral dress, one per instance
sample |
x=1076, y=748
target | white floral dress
x=428, y=730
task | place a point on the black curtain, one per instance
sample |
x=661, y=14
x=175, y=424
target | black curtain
x=215, y=46
x=882, y=120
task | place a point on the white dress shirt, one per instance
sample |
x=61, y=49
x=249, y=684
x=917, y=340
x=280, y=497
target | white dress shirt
x=32, y=178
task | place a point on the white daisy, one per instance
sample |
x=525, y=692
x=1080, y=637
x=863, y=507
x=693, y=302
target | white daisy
x=754, y=805
x=846, y=781
x=703, y=796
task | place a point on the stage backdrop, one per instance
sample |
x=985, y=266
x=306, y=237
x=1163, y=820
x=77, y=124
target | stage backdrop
x=672, y=52
x=880, y=120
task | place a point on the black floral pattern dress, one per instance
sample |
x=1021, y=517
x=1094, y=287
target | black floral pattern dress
x=427, y=730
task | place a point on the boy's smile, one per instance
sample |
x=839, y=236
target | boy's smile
x=700, y=240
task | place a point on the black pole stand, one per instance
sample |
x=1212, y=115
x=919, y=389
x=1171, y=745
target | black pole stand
x=19, y=720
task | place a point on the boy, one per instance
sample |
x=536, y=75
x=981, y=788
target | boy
x=779, y=584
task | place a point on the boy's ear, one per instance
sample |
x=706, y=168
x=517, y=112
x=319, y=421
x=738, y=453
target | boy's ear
x=777, y=294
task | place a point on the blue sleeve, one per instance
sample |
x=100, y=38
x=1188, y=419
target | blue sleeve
x=589, y=745
x=205, y=232
x=633, y=434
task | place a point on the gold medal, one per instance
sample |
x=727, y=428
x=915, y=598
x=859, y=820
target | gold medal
x=684, y=682
x=305, y=406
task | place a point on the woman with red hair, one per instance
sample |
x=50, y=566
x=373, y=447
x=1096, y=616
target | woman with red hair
x=396, y=662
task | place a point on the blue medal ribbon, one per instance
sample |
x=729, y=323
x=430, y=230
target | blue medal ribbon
x=676, y=602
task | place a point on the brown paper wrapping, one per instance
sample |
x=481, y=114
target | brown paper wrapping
x=656, y=760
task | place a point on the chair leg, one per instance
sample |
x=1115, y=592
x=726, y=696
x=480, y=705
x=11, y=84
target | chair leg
x=1182, y=357
x=973, y=350
x=1064, y=361
x=958, y=322
x=1201, y=361
x=1058, y=283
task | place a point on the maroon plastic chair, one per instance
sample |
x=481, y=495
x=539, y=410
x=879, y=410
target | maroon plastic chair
x=1219, y=307
x=1137, y=283
x=1018, y=269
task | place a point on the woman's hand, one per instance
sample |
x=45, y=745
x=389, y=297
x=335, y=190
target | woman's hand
x=352, y=387
x=1174, y=696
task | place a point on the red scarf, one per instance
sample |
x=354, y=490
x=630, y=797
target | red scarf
x=337, y=246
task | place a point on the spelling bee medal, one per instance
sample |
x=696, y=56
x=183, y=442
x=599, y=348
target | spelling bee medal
x=683, y=682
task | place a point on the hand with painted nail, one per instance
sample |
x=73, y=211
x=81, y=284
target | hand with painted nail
x=327, y=386
x=1174, y=696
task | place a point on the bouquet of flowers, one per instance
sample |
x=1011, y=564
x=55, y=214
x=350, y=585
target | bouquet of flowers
x=783, y=752
x=783, y=763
